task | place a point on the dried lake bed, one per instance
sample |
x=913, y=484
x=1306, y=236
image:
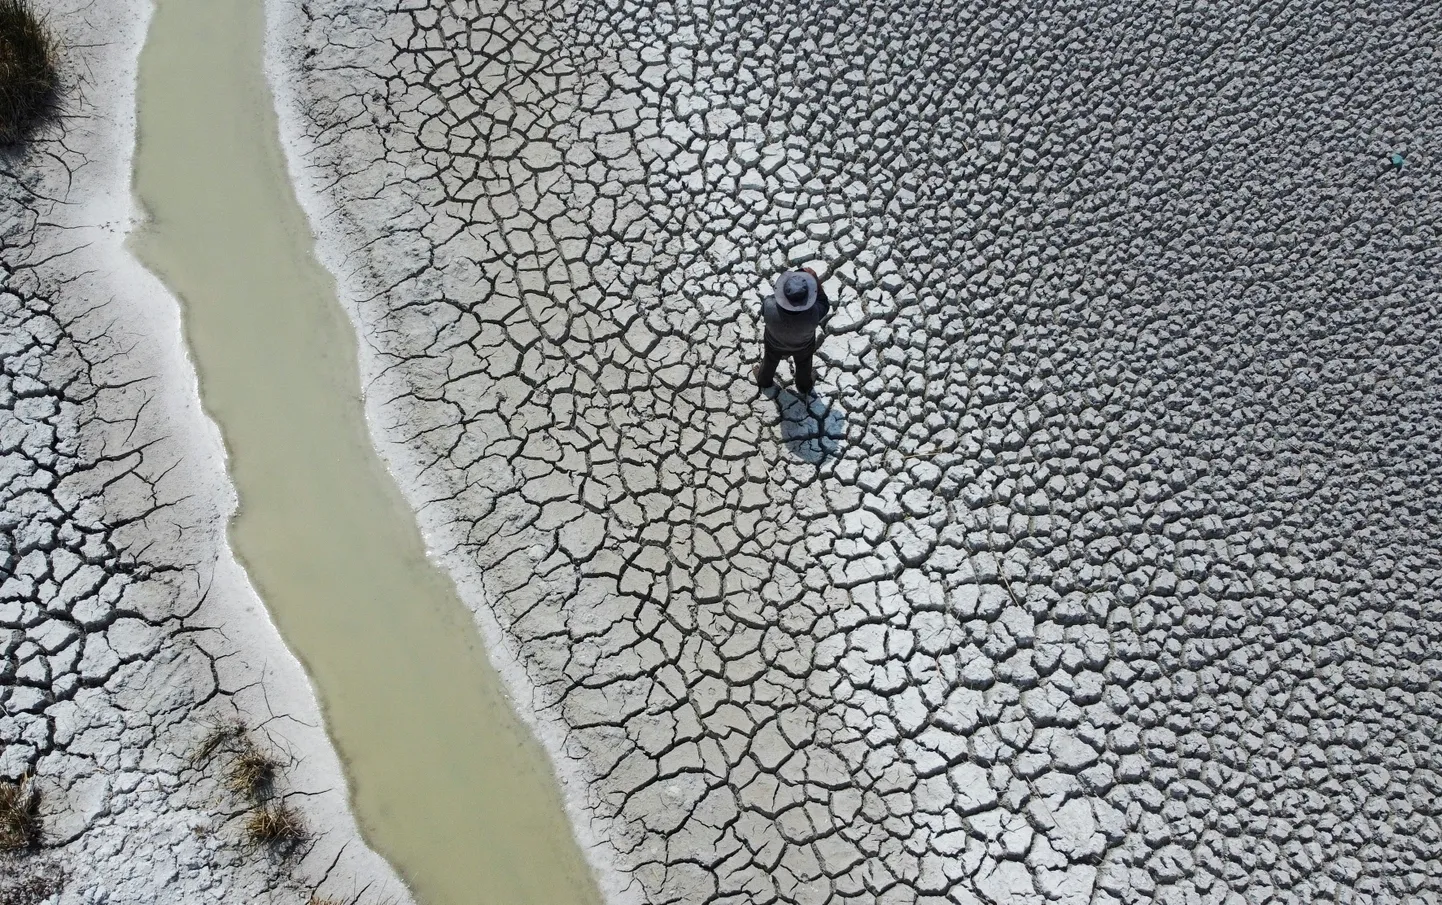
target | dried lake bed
x=1103, y=567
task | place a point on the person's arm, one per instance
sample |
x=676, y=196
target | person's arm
x=823, y=302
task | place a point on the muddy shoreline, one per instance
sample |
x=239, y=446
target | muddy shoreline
x=129, y=632
x=445, y=781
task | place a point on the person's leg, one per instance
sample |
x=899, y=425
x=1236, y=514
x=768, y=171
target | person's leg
x=805, y=378
x=766, y=371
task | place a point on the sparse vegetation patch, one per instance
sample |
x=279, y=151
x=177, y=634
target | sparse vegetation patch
x=220, y=736
x=252, y=772
x=19, y=815
x=274, y=825
x=27, y=70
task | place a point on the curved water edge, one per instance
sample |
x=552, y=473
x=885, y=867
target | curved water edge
x=447, y=783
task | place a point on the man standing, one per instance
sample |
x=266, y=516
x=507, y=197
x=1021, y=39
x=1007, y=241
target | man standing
x=792, y=313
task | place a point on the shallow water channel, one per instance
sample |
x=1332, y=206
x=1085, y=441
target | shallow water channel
x=447, y=782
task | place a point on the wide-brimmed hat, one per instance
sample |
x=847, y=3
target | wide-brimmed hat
x=796, y=290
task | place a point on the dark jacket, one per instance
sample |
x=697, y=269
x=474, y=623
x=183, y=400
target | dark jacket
x=794, y=331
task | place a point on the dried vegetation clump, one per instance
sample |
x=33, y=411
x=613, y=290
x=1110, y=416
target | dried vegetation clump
x=251, y=772
x=221, y=735
x=27, y=70
x=19, y=815
x=274, y=825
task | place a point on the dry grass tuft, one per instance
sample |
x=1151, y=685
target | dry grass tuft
x=274, y=825
x=19, y=815
x=221, y=735
x=27, y=70
x=252, y=773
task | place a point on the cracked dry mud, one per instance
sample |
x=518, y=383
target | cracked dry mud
x=1104, y=568
x=127, y=630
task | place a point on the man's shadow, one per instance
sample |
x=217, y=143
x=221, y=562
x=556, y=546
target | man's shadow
x=812, y=429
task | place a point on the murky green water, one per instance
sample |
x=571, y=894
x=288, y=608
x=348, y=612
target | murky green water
x=448, y=784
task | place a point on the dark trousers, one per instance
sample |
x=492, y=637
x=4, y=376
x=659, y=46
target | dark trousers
x=800, y=360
